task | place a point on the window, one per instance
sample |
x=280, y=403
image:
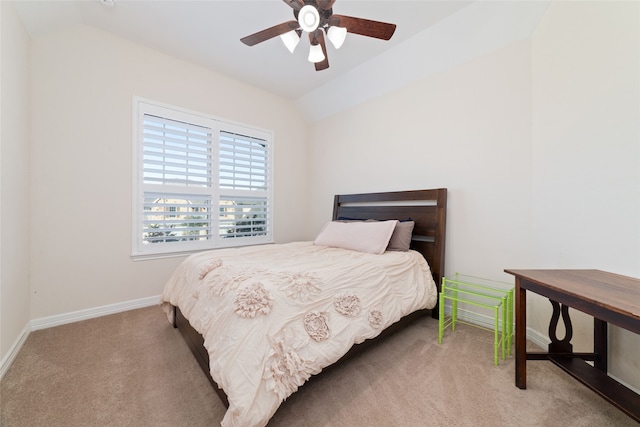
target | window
x=199, y=182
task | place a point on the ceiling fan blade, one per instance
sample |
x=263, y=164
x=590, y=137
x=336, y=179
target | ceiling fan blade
x=324, y=64
x=295, y=4
x=269, y=33
x=364, y=27
x=325, y=4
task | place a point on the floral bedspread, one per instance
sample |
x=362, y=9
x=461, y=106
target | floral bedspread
x=274, y=315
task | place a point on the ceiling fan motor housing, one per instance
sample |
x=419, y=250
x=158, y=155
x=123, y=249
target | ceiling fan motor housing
x=309, y=18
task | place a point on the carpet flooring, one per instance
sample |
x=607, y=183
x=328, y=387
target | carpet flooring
x=134, y=369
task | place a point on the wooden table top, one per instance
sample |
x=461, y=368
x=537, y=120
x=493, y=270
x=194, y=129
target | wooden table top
x=609, y=291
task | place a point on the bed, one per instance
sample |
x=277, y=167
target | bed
x=292, y=310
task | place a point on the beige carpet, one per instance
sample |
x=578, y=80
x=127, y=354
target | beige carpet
x=133, y=369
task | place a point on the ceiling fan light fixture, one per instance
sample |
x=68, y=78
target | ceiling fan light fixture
x=290, y=40
x=336, y=36
x=315, y=53
x=309, y=18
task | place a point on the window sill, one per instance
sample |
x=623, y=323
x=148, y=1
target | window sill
x=186, y=253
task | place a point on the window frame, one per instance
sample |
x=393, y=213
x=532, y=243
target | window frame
x=140, y=250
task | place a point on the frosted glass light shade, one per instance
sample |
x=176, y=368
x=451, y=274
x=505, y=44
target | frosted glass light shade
x=308, y=18
x=290, y=40
x=315, y=53
x=337, y=35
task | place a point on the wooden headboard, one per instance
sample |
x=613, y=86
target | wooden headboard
x=428, y=208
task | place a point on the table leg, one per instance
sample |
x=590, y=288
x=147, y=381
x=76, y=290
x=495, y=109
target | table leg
x=521, y=336
x=600, y=344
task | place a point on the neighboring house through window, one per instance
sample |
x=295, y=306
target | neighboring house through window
x=199, y=182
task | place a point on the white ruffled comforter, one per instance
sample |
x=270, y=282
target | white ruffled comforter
x=274, y=315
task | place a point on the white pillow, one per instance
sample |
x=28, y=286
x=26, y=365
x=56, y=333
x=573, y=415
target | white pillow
x=369, y=237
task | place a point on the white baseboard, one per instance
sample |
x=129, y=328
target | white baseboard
x=537, y=338
x=481, y=320
x=75, y=316
x=627, y=385
x=487, y=322
x=8, y=358
x=90, y=313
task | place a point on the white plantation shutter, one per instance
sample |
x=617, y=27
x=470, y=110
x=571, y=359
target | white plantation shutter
x=176, y=153
x=172, y=217
x=243, y=217
x=243, y=162
x=201, y=183
x=244, y=205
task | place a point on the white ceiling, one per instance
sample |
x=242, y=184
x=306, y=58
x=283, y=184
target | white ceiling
x=208, y=33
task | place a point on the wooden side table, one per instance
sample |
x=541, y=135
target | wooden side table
x=608, y=297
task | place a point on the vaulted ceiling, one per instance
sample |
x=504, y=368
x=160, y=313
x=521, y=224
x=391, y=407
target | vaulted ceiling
x=430, y=36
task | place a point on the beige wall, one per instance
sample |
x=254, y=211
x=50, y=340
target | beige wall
x=586, y=154
x=14, y=179
x=83, y=83
x=538, y=144
x=468, y=130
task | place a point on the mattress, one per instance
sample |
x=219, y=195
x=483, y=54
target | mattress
x=274, y=315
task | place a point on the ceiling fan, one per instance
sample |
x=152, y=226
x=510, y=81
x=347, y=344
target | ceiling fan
x=316, y=18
